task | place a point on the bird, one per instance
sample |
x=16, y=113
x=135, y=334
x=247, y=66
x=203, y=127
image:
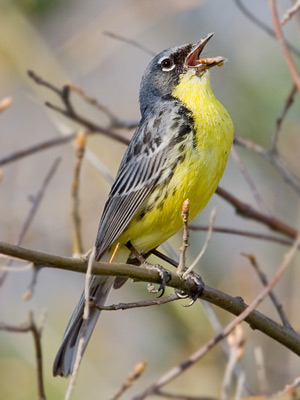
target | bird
x=179, y=151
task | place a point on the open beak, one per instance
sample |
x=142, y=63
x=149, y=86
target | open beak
x=194, y=60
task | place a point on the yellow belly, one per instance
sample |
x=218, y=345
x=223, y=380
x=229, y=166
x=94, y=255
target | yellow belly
x=196, y=178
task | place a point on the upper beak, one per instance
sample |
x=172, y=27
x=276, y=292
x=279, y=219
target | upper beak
x=193, y=59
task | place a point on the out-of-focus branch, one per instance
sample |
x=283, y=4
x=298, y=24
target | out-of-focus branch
x=290, y=12
x=263, y=26
x=5, y=103
x=176, y=371
x=284, y=48
x=132, y=377
x=264, y=281
x=133, y=43
x=234, y=305
x=239, y=232
x=36, y=331
x=80, y=150
x=247, y=211
x=36, y=201
x=69, y=112
x=137, y=304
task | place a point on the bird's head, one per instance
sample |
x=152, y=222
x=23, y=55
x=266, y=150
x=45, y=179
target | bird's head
x=165, y=70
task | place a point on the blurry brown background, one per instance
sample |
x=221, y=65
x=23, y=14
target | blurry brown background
x=63, y=41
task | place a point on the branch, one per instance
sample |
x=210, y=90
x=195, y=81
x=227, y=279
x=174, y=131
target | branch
x=69, y=111
x=247, y=211
x=36, y=331
x=234, y=305
x=284, y=48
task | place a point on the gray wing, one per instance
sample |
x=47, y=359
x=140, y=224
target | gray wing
x=139, y=171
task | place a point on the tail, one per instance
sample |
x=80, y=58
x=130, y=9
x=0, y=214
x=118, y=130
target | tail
x=65, y=358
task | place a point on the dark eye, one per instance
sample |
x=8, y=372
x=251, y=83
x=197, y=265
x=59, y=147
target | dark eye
x=167, y=64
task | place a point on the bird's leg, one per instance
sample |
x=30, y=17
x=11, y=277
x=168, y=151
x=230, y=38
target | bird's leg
x=163, y=273
x=198, y=285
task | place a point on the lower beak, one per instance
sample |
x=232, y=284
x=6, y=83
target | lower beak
x=194, y=61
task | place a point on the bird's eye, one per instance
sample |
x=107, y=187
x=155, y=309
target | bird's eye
x=167, y=64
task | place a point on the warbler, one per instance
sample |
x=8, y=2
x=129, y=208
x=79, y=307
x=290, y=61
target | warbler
x=179, y=151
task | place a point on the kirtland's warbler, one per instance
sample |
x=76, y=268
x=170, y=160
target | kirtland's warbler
x=178, y=152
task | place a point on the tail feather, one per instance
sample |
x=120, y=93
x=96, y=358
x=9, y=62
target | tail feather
x=65, y=358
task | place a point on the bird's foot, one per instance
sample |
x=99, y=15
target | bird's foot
x=165, y=277
x=198, y=283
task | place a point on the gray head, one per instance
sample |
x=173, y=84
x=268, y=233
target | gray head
x=164, y=71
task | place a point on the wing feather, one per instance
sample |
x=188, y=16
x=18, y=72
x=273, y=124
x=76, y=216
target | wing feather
x=139, y=171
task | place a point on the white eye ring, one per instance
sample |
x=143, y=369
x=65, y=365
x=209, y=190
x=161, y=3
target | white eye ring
x=166, y=68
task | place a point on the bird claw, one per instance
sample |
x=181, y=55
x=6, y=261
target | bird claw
x=199, y=288
x=165, y=278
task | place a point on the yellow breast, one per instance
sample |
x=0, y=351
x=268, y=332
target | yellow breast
x=197, y=177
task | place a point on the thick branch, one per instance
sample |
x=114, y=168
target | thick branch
x=234, y=305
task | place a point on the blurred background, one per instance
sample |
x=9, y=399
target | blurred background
x=64, y=41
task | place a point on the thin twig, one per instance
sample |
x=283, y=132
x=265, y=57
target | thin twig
x=86, y=312
x=69, y=111
x=289, y=389
x=132, y=377
x=173, y=396
x=264, y=281
x=47, y=144
x=288, y=103
x=274, y=159
x=284, y=48
x=115, y=122
x=80, y=150
x=138, y=304
x=236, y=344
x=130, y=41
x=290, y=12
x=257, y=196
x=248, y=211
x=36, y=331
x=261, y=371
x=174, y=372
x=35, y=201
x=206, y=243
x=5, y=103
x=239, y=232
x=185, y=239
x=264, y=27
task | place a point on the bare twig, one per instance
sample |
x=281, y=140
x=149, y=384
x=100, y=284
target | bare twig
x=247, y=211
x=290, y=12
x=69, y=111
x=274, y=159
x=205, y=245
x=115, y=122
x=239, y=232
x=130, y=41
x=174, y=372
x=5, y=103
x=289, y=389
x=261, y=372
x=284, y=48
x=264, y=281
x=86, y=313
x=234, y=305
x=185, y=239
x=47, y=144
x=264, y=27
x=36, y=331
x=36, y=201
x=132, y=377
x=80, y=149
x=173, y=396
x=236, y=344
x=279, y=121
x=138, y=304
x=257, y=196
